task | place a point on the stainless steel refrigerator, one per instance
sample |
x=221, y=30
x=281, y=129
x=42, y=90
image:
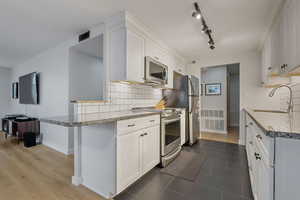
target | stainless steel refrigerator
x=186, y=96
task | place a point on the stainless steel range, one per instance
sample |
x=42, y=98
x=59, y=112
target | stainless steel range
x=170, y=136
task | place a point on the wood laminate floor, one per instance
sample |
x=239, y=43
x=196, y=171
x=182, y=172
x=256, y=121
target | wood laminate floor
x=37, y=173
x=231, y=137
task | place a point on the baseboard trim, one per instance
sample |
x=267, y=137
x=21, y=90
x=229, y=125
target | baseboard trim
x=70, y=151
x=214, y=131
x=56, y=148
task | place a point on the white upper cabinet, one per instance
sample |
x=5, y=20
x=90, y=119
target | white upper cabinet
x=135, y=56
x=266, y=61
x=285, y=34
x=282, y=47
x=288, y=36
x=127, y=44
x=126, y=55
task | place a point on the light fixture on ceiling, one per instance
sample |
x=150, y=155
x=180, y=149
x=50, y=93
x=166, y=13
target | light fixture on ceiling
x=205, y=29
x=197, y=15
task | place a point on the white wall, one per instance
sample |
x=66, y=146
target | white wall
x=54, y=88
x=87, y=77
x=216, y=102
x=252, y=95
x=53, y=66
x=5, y=92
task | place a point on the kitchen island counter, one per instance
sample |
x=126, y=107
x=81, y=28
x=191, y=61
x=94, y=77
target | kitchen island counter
x=96, y=118
x=277, y=124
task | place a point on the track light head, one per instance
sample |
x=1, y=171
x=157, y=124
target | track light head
x=204, y=28
x=197, y=15
x=211, y=42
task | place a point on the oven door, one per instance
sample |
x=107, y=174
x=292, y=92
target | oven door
x=170, y=135
x=155, y=71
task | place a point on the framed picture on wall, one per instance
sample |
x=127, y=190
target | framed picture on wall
x=15, y=90
x=213, y=89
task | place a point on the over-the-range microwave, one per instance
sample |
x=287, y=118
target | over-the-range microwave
x=155, y=72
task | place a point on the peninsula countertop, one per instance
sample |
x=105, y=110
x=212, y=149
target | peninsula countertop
x=277, y=124
x=96, y=118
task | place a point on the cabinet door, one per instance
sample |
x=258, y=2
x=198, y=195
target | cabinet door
x=288, y=35
x=150, y=148
x=255, y=170
x=275, y=48
x=265, y=181
x=128, y=159
x=135, y=56
x=266, y=61
x=291, y=20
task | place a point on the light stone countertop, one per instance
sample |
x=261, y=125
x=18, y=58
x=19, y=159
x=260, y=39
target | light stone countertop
x=277, y=124
x=96, y=118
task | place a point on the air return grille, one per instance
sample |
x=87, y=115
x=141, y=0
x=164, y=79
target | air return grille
x=213, y=120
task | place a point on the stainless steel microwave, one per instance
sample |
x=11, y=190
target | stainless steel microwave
x=155, y=72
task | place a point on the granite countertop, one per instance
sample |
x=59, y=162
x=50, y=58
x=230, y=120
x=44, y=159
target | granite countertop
x=276, y=124
x=96, y=118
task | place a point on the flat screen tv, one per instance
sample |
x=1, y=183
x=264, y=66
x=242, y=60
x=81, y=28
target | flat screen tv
x=29, y=89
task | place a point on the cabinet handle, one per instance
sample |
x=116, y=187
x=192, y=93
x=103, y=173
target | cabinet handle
x=246, y=126
x=259, y=137
x=257, y=156
x=251, y=142
x=144, y=134
x=269, y=68
x=131, y=125
x=152, y=120
x=251, y=123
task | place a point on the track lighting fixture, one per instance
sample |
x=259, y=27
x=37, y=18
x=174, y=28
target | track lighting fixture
x=198, y=15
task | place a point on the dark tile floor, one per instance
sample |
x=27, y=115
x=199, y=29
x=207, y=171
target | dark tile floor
x=223, y=176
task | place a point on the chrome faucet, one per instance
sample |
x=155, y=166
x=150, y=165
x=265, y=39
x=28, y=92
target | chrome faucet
x=290, y=107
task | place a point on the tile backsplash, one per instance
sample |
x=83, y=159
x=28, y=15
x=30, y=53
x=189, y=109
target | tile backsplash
x=284, y=98
x=122, y=96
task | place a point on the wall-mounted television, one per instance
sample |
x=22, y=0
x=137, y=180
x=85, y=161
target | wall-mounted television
x=29, y=89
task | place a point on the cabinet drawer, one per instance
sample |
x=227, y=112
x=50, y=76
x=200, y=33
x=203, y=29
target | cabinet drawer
x=149, y=121
x=130, y=125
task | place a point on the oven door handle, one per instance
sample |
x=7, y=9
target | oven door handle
x=173, y=154
x=170, y=121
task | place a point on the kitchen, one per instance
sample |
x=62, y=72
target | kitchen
x=146, y=112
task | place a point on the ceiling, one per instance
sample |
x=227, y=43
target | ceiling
x=31, y=27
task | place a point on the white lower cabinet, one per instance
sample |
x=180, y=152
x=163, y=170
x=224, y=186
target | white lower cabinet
x=128, y=159
x=273, y=164
x=137, y=153
x=116, y=154
x=260, y=167
x=150, y=148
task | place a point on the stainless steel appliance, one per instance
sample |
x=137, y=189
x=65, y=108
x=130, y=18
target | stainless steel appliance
x=170, y=136
x=155, y=72
x=186, y=96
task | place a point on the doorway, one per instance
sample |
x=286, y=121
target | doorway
x=220, y=103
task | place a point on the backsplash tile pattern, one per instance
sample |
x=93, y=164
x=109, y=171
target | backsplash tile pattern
x=284, y=98
x=123, y=97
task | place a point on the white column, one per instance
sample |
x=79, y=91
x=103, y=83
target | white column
x=77, y=178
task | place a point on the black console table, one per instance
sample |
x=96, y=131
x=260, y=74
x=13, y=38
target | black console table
x=18, y=125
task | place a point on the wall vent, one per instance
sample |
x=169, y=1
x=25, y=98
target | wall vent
x=213, y=121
